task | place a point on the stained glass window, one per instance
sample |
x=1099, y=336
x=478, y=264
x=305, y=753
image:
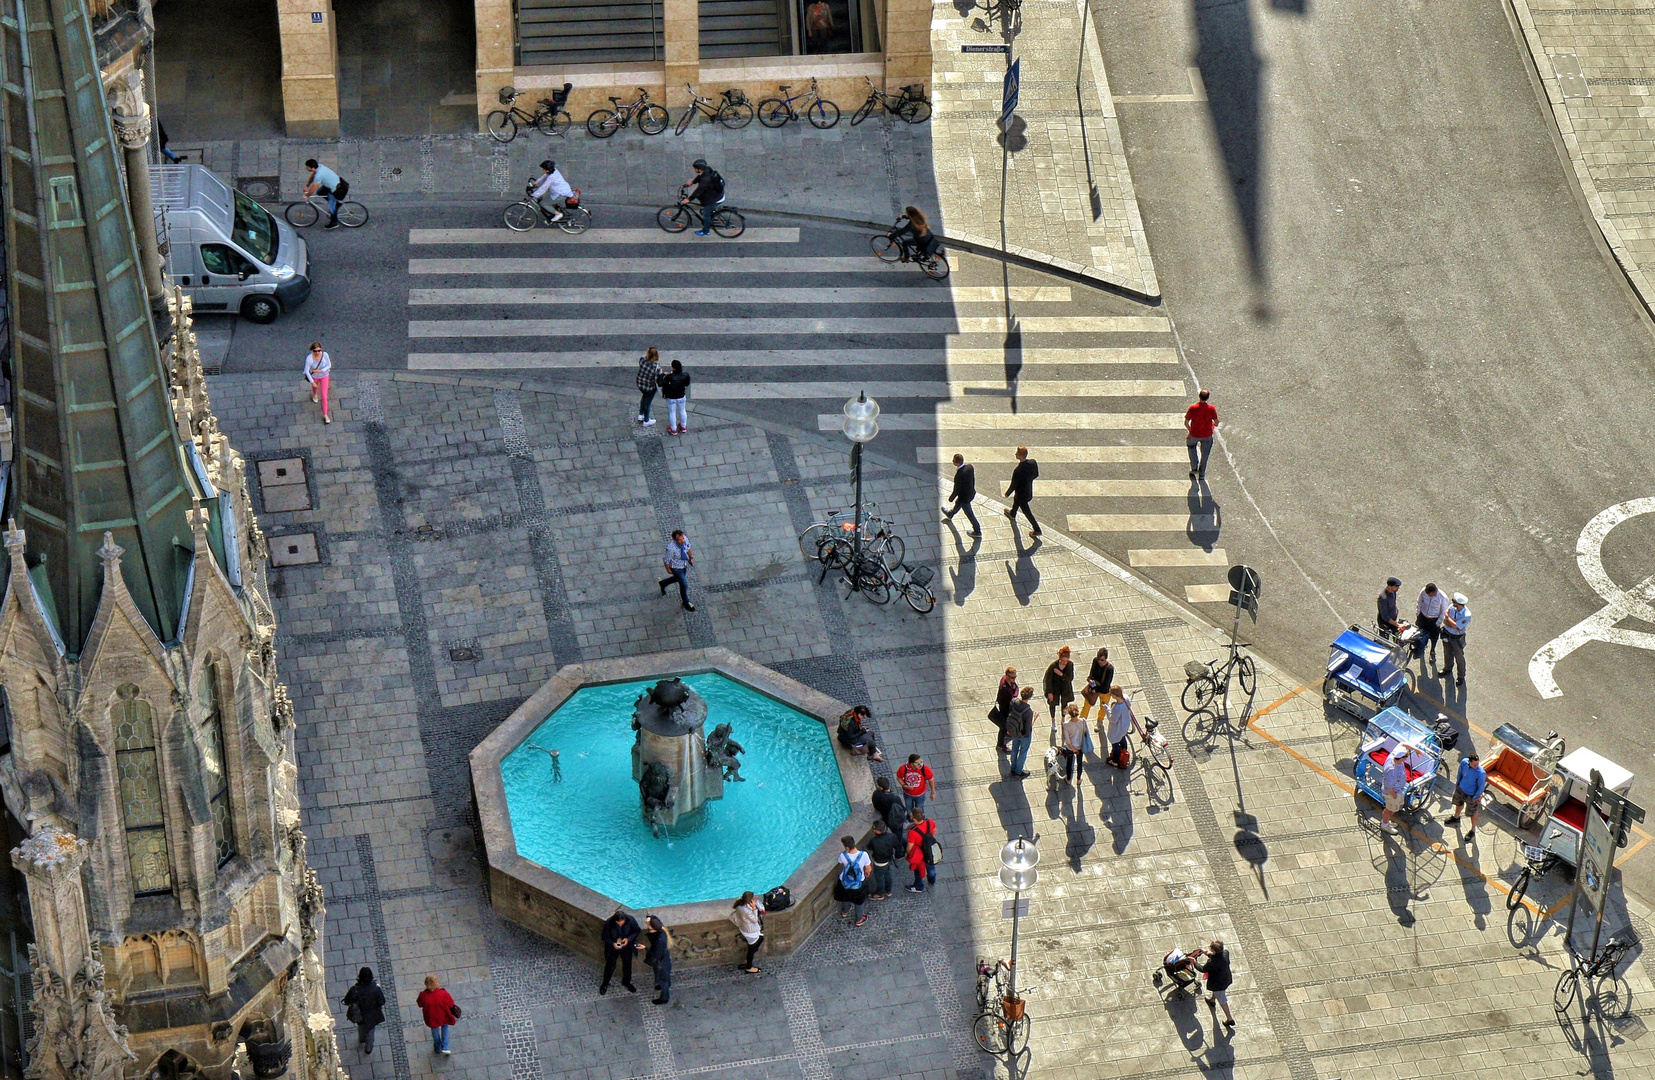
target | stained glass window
x=216, y=767
x=138, y=768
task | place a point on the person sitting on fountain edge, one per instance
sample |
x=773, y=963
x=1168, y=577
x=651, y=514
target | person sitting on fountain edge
x=854, y=734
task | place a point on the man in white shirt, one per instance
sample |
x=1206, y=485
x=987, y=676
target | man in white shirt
x=552, y=187
x=324, y=181
x=1395, y=784
x=1428, y=618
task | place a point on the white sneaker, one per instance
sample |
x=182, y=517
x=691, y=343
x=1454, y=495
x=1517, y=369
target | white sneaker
x=1386, y=826
x=639, y=418
x=650, y=422
x=557, y=216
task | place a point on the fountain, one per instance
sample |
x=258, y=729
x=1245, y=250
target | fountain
x=653, y=804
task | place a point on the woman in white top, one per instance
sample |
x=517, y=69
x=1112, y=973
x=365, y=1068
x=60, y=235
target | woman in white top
x=747, y=917
x=1074, y=738
x=318, y=366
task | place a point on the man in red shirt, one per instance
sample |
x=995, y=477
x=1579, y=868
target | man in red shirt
x=1200, y=420
x=917, y=781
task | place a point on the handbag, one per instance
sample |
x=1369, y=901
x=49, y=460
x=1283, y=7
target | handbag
x=457, y=1013
x=353, y=1013
x=1086, y=744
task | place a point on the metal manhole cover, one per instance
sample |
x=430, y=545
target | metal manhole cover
x=260, y=188
x=293, y=549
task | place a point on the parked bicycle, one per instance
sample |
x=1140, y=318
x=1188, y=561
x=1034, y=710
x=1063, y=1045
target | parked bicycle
x=810, y=541
x=527, y=212
x=935, y=264
x=548, y=119
x=1155, y=746
x=311, y=209
x=1002, y=1022
x=879, y=542
x=1210, y=682
x=727, y=220
x=914, y=583
x=733, y=112
x=1589, y=970
x=652, y=118
x=910, y=105
x=1537, y=862
x=776, y=112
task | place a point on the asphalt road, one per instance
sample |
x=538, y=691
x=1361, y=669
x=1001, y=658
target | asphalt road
x=1425, y=364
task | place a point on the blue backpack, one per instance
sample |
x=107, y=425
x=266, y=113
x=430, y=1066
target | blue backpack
x=851, y=876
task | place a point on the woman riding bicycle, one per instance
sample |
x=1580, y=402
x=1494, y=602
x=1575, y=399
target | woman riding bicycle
x=914, y=234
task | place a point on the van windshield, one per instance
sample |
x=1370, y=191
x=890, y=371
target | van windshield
x=255, y=229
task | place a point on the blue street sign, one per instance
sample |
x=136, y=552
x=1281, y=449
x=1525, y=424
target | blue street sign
x=1009, y=100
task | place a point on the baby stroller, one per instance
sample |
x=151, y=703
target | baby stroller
x=1179, y=972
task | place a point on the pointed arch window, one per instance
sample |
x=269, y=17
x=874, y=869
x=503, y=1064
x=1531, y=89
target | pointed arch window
x=216, y=765
x=138, y=765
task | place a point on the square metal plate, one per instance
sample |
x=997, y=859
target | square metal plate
x=294, y=549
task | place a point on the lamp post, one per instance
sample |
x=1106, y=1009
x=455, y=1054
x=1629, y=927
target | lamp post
x=861, y=425
x=1017, y=873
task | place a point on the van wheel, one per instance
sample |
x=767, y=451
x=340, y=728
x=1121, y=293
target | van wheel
x=260, y=309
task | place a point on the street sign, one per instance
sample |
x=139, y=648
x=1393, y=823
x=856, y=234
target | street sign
x=1247, y=602
x=1597, y=859
x=985, y=48
x=1009, y=97
x=1245, y=579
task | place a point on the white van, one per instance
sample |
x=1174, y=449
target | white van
x=228, y=252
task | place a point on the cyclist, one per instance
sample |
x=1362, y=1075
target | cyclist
x=706, y=188
x=552, y=186
x=324, y=181
x=913, y=233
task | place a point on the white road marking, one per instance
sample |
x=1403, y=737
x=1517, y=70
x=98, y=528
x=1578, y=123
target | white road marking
x=948, y=420
x=944, y=455
x=1177, y=557
x=652, y=293
x=672, y=264
x=739, y=391
x=762, y=325
x=1037, y=364
x=1141, y=522
x=1207, y=594
x=1633, y=603
x=493, y=237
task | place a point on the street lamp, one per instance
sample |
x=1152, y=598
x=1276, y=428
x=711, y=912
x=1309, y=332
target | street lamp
x=1017, y=873
x=861, y=425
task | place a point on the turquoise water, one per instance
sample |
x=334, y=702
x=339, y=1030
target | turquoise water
x=589, y=826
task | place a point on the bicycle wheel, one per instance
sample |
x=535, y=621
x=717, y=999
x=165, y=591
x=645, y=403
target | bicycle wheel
x=919, y=597
x=862, y=112
x=1019, y=1040
x=811, y=539
x=990, y=1032
x=602, y=124
x=894, y=551
x=522, y=216
x=353, y=215
x=1568, y=986
x=653, y=120
x=1199, y=693
x=673, y=219
x=684, y=121
x=1161, y=755
x=502, y=126
x=575, y=220
x=773, y=113
x=302, y=214
x=729, y=223
x=547, y=122
x=835, y=552
x=1247, y=672
x=886, y=249
x=915, y=112
x=735, y=116
x=1519, y=889
x=823, y=114
x=875, y=582
x=935, y=267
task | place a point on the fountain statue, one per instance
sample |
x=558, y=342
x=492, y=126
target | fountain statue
x=676, y=766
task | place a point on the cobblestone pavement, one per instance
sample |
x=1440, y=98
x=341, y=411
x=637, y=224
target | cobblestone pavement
x=523, y=525
x=1597, y=65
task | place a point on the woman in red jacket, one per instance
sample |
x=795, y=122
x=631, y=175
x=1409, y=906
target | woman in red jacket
x=440, y=1013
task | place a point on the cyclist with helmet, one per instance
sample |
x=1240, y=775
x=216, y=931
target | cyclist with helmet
x=706, y=188
x=552, y=186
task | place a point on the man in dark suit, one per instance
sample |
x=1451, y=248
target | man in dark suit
x=965, y=489
x=1021, y=490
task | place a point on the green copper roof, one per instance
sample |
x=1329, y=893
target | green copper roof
x=96, y=444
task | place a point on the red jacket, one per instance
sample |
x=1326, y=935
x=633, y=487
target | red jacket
x=438, y=1007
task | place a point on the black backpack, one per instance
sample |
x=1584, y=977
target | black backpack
x=778, y=899
x=715, y=185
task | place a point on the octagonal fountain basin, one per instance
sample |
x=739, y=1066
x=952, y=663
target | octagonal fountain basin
x=568, y=836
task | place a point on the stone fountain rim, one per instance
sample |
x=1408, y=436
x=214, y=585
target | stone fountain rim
x=488, y=783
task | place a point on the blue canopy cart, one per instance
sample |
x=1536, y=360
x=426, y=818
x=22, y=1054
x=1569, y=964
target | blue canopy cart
x=1389, y=733
x=1361, y=677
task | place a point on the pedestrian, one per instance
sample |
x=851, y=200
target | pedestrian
x=1020, y=731
x=440, y=1013
x=748, y=915
x=1021, y=490
x=1075, y=734
x=1455, y=622
x=649, y=379
x=365, y=1007
x=922, y=850
x=1432, y=606
x=318, y=366
x=1059, y=683
x=917, y=781
x=1121, y=721
x=855, y=735
x=1098, y=682
x=965, y=490
x=677, y=559
x=657, y=950
x=1395, y=783
x=890, y=807
x=1217, y=970
x=619, y=936
x=1389, y=618
x=1200, y=421
x=883, y=850
x=850, y=888
x=1469, y=786
x=1003, y=697
x=675, y=385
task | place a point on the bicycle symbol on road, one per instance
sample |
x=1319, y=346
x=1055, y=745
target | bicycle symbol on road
x=1620, y=604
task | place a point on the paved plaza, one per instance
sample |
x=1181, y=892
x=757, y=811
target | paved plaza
x=471, y=535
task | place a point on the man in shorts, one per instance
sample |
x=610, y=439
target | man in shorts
x=1395, y=784
x=1469, y=786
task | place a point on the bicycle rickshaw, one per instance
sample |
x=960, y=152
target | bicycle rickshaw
x=1388, y=731
x=1362, y=677
x=1566, y=793
x=1519, y=769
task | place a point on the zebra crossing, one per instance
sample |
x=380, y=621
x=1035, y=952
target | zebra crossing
x=977, y=365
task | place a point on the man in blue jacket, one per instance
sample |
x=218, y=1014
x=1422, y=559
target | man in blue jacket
x=1469, y=786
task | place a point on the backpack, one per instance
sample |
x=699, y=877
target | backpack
x=778, y=899
x=715, y=185
x=850, y=875
x=928, y=845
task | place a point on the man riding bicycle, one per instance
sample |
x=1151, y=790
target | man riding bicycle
x=324, y=181
x=552, y=186
x=708, y=190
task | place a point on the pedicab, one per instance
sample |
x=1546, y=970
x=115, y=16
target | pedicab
x=1390, y=732
x=1362, y=676
x=1567, y=790
x=1519, y=768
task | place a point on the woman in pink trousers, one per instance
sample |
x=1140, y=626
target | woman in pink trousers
x=318, y=366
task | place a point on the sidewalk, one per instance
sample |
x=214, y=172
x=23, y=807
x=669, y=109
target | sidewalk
x=521, y=525
x=1598, y=65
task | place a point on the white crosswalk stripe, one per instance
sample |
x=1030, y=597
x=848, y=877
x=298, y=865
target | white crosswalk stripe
x=946, y=418
x=957, y=388
x=618, y=294
x=1037, y=364
x=1086, y=455
x=495, y=237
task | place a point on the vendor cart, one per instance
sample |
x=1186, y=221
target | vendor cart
x=1572, y=783
x=1362, y=677
x=1519, y=768
x=1390, y=732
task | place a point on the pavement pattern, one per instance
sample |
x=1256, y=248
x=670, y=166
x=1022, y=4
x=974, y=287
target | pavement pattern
x=522, y=524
